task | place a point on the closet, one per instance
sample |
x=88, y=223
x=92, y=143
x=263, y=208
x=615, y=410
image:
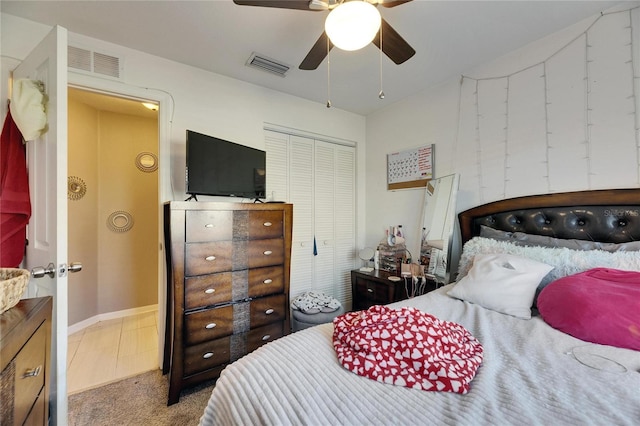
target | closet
x=318, y=178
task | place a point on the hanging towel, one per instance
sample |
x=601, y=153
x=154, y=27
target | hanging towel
x=27, y=107
x=15, y=205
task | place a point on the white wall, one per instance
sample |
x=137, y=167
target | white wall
x=557, y=115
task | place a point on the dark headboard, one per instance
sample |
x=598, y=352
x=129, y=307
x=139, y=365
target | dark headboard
x=608, y=216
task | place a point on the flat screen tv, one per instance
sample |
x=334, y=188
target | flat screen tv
x=219, y=167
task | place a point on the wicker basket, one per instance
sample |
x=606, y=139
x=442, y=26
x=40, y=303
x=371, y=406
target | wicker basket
x=13, y=284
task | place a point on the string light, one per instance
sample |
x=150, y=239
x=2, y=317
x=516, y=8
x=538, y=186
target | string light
x=381, y=94
x=328, y=73
x=588, y=100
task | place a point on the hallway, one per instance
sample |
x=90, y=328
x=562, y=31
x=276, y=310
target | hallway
x=112, y=350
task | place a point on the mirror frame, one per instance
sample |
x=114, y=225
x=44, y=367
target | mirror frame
x=438, y=223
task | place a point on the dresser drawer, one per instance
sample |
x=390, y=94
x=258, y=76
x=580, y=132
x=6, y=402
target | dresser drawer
x=207, y=290
x=30, y=374
x=221, y=256
x=223, y=287
x=265, y=281
x=206, y=355
x=370, y=293
x=265, y=253
x=267, y=310
x=266, y=224
x=262, y=335
x=208, y=225
x=37, y=414
x=209, y=324
x=211, y=354
x=208, y=258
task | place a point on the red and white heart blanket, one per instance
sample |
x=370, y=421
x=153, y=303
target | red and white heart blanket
x=407, y=347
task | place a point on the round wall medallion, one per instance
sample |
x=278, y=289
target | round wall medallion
x=76, y=188
x=147, y=162
x=120, y=221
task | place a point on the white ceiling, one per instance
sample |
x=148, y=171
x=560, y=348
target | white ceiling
x=450, y=37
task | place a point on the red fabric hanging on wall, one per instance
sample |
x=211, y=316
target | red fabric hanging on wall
x=15, y=204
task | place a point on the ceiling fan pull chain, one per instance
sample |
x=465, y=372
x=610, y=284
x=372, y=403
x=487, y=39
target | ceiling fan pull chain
x=328, y=73
x=381, y=94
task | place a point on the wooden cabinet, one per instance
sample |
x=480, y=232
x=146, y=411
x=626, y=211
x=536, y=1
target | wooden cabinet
x=375, y=288
x=25, y=348
x=228, y=285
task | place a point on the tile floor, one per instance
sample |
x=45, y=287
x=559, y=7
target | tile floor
x=112, y=350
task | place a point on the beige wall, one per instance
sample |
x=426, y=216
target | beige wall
x=83, y=241
x=120, y=269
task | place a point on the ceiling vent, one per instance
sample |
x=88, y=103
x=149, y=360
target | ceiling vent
x=267, y=64
x=94, y=62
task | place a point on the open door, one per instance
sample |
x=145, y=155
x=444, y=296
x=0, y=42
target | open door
x=47, y=229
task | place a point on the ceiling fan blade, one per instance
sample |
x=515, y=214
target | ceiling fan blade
x=393, y=45
x=393, y=3
x=317, y=53
x=281, y=4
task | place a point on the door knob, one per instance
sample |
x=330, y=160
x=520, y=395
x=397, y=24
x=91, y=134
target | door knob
x=75, y=267
x=39, y=271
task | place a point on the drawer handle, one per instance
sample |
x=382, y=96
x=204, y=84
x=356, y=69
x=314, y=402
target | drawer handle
x=370, y=290
x=267, y=224
x=209, y=225
x=210, y=290
x=269, y=311
x=33, y=372
x=210, y=258
x=207, y=355
x=268, y=281
x=268, y=252
x=210, y=325
x=266, y=337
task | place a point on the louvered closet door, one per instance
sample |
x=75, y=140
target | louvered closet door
x=345, y=217
x=324, y=190
x=301, y=195
x=277, y=163
x=319, y=179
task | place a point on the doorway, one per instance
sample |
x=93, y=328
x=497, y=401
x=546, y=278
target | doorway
x=113, y=231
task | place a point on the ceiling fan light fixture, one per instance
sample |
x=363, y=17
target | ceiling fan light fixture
x=318, y=5
x=352, y=25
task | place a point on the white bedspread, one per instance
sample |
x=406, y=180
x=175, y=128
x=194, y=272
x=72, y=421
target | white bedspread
x=529, y=377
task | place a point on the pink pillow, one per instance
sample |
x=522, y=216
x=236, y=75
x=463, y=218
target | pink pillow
x=600, y=305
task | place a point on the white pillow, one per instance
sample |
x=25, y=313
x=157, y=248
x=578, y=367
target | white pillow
x=502, y=282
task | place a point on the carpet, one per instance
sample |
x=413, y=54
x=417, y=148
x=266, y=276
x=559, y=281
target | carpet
x=138, y=400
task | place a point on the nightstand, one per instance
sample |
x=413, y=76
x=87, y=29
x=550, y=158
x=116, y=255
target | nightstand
x=375, y=288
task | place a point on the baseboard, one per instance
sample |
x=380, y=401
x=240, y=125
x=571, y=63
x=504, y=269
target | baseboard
x=109, y=316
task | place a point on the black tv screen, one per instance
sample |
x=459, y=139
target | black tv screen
x=219, y=167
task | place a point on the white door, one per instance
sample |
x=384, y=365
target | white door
x=47, y=230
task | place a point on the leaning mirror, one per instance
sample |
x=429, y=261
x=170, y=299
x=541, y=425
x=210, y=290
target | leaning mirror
x=438, y=223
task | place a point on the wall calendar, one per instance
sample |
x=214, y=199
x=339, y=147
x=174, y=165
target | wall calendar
x=412, y=168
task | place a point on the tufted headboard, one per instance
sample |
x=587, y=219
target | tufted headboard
x=608, y=216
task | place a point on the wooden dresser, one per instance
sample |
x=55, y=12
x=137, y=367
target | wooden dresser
x=228, y=285
x=25, y=347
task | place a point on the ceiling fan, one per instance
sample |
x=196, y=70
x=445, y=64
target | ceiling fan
x=393, y=45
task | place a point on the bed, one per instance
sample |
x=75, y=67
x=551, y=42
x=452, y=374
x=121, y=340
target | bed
x=531, y=372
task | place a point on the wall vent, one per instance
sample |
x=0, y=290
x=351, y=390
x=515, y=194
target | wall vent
x=94, y=62
x=267, y=64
